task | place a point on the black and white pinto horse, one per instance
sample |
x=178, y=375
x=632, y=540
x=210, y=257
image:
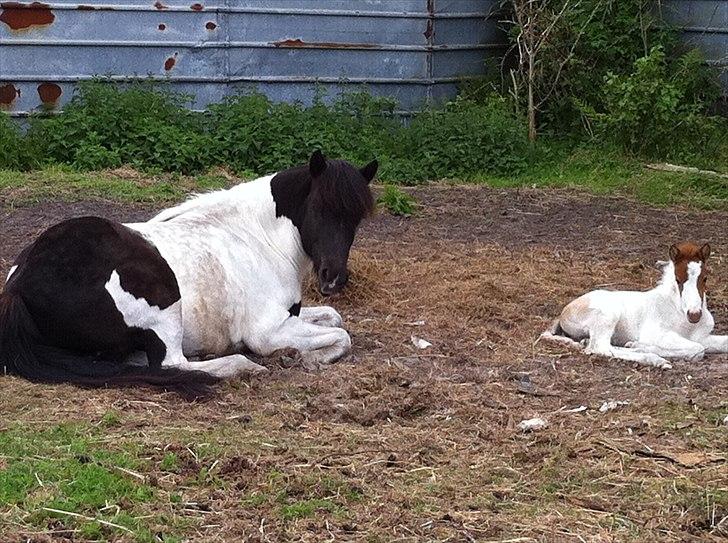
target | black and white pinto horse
x=217, y=275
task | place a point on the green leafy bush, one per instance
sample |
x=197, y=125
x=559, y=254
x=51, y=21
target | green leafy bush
x=580, y=45
x=104, y=126
x=464, y=139
x=397, y=201
x=14, y=151
x=596, y=38
x=141, y=125
x=251, y=132
x=659, y=109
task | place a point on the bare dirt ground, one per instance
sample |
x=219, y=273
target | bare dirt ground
x=397, y=443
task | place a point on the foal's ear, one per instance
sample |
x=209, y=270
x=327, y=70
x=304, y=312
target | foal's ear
x=370, y=170
x=674, y=252
x=317, y=163
x=705, y=252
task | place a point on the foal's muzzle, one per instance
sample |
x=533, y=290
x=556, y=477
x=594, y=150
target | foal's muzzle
x=695, y=316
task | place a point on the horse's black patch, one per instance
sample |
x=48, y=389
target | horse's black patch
x=62, y=279
x=295, y=309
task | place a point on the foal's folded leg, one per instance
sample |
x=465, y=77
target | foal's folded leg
x=642, y=358
x=670, y=345
x=600, y=337
x=715, y=344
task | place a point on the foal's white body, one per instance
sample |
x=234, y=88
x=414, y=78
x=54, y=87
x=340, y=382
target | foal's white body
x=239, y=270
x=647, y=327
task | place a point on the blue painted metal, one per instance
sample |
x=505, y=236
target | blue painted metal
x=705, y=25
x=411, y=50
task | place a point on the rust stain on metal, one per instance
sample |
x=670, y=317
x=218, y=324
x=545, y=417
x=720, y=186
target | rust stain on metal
x=162, y=26
x=159, y=5
x=430, y=29
x=296, y=43
x=197, y=7
x=8, y=94
x=23, y=16
x=429, y=32
x=170, y=62
x=210, y=25
x=49, y=93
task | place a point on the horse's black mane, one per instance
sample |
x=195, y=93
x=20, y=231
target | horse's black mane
x=341, y=189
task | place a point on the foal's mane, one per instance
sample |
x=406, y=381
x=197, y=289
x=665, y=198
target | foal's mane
x=667, y=268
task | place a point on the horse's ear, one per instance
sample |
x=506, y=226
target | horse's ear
x=317, y=163
x=674, y=253
x=370, y=170
x=705, y=252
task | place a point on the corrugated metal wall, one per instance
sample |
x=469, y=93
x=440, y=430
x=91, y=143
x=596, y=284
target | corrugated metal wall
x=705, y=25
x=411, y=50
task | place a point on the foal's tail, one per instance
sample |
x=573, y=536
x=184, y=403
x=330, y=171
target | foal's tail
x=23, y=353
x=556, y=334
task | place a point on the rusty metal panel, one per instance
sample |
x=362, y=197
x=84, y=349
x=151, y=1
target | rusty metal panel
x=705, y=25
x=412, y=50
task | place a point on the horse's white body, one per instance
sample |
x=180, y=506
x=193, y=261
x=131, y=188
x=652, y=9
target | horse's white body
x=645, y=327
x=239, y=270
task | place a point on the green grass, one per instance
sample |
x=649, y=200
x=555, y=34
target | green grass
x=307, y=508
x=296, y=496
x=599, y=171
x=62, y=183
x=74, y=469
x=608, y=172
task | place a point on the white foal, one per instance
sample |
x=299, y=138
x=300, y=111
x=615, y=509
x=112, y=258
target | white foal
x=669, y=321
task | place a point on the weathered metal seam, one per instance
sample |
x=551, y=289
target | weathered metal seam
x=704, y=30
x=237, y=79
x=225, y=17
x=430, y=36
x=270, y=11
x=252, y=45
x=44, y=113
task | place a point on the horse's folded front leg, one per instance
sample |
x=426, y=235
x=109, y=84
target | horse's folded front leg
x=322, y=315
x=316, y=344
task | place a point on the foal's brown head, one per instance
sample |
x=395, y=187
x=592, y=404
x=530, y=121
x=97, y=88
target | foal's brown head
x=691, y=275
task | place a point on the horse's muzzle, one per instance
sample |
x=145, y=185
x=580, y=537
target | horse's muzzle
x=329, y=286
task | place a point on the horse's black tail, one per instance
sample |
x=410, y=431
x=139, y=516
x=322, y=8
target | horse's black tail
x=23, y=353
